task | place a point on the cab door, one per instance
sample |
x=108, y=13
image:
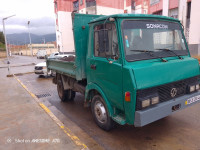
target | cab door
x=106, y=65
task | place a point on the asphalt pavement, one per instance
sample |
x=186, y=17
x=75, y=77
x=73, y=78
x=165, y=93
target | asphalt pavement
x=26, y=123
x=179, y=131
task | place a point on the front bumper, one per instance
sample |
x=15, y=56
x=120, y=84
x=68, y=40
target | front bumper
x=39, y=72
x=144, y=117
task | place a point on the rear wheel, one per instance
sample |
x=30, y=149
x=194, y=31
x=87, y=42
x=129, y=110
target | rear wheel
x=65, y=95
x=100, y=113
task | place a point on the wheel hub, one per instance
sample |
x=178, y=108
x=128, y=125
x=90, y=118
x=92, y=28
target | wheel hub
x=100, y=112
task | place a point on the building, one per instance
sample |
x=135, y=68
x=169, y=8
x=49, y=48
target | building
x=136, y=6
x=63, y=9
x=26, y=49
x=184, y=10
x=187, y=12
x=193, y=25
x=41, y=46
x=64, y=34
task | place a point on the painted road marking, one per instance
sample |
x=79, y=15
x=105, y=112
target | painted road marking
x=66, y=130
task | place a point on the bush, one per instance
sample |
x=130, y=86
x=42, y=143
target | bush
x=2, y=47
x=2, y=39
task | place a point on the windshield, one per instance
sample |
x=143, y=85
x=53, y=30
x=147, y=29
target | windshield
x=153, y=36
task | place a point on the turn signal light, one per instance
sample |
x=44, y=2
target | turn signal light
x=127, y=96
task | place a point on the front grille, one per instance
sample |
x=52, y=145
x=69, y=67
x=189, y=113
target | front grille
x=38, y=68
x=164, y=91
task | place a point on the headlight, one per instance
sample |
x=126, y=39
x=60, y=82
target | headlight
x=197, y=87
x=44, y=67
x=154, y=100
x=145, y=103
x=192, y=88
x=147, y=98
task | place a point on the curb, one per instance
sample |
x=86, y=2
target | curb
x=66, y=130
x=18, y=74
x=32, y=64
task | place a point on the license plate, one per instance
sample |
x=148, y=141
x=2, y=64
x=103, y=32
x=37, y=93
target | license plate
x=192, y=100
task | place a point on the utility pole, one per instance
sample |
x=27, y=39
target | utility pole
x=30, y=39
x=43, y=40
x=7, y=53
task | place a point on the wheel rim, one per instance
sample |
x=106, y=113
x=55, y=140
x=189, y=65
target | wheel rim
x=100, y=112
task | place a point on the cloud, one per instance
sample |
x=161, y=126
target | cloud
x=42, y=22
x=40, y=13
x=43, y=25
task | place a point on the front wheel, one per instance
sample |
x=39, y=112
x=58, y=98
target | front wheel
x=100, y=113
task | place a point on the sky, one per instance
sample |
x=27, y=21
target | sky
x=40, y=13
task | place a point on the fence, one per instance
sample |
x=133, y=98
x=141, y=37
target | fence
x=2, y=54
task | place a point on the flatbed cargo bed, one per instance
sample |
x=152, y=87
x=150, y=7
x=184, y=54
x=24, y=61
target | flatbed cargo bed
x=75, y=69
x=62, y=67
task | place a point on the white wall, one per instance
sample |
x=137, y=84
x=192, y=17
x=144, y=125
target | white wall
x=165, y=7
x=108, y=11
x=91, y=10
x=64, y=32
x=138, y=9
x=182, y=10
x=194, y=35
x=82, y=11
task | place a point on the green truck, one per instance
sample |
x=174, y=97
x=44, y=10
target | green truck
x=132, y=68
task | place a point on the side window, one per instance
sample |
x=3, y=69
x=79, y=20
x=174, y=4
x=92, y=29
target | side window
x=105, y=41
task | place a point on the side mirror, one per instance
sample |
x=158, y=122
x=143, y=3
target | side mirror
x=103, y=40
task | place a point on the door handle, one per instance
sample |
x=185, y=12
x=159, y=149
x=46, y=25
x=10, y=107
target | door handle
x=93, y=67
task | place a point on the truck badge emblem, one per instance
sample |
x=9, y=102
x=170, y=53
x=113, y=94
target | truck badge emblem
x=173, y=92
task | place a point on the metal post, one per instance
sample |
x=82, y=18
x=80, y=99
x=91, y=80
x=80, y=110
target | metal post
x=8, y=62
x=7, y=53
x=30, y=39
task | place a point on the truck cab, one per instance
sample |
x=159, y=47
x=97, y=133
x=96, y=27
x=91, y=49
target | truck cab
x=132, y=68
x=142, y=66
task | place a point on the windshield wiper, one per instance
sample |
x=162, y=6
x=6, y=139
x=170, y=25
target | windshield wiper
x=150, y=53
x=165, y=49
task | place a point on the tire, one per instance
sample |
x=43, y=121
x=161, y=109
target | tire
x=65, y=95
x=100, y=113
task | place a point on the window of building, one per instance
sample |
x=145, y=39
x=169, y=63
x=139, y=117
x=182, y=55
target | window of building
x=173, y=13
x=158, y=13
x=81, y=2
x=105, y=41
x=76, y=5
x=152, y=2
x=133, y=4
x=90, y=3
x=55, y=5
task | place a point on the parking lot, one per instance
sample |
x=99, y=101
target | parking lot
x=180, y=131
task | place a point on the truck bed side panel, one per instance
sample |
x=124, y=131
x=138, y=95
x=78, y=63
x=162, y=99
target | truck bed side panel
x=62, y=67
x=81, y=30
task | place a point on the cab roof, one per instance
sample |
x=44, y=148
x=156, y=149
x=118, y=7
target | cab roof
x=139, y=16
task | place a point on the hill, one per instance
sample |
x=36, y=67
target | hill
x=23, y=38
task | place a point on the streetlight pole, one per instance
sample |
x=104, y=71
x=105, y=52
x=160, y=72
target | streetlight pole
x=30, y=39
x=7, y=53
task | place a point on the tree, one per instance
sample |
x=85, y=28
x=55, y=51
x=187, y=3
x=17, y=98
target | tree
x=2, y=42
x=2, y=39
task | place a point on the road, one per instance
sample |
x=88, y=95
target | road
x=180, y=131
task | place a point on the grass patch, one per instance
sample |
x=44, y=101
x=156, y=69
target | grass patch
x=2, y=47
